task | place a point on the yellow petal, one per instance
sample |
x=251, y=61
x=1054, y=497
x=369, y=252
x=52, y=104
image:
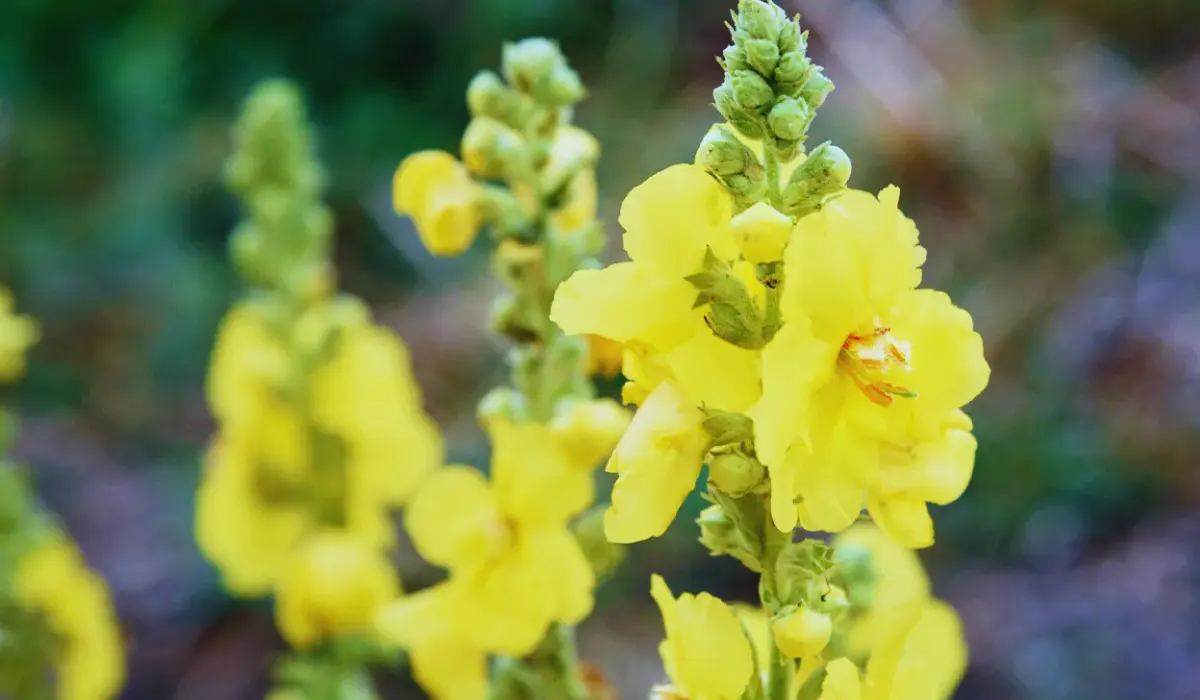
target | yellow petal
x=841, y=681
x=455, y=519
x=568, y=577
x=657, y=461
x=510, y=605
x=712, y=657
x=537, y=484
x=448, y=670
x=905, y=520
x=716, y=374
x=589, y=430
x=935, y=655
x=761, y=233
x=435, y=190
x=672, y=217
x=623, y=302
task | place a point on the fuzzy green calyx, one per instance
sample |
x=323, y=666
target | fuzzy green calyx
x=537, y=67
x=732, y=313
x=824, y=172
x=798, y=566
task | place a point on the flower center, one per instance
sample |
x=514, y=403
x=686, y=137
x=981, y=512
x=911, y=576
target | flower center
x=874, y=361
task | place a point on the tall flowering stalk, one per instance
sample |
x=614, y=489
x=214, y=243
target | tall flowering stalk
x=59, y=637
x=521, y=553
x=320, y=430
x=773, y=328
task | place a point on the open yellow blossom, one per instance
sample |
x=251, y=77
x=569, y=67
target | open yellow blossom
x=705, y=654
x=17, y=333
x=506, y=543
x=429, y=626
x=435, y=190
x=54, y=582
x=671, y=221
x=864, y=361
x=657, y=463
x=333, y=585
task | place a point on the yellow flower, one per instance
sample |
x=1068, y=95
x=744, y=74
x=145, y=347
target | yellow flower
x=429, y=625
x=247, y=519
x=705, y=654
x=864, y=364
x=657, y=463
x=894, y=575
x=761, y=233
x=589, y=430
x=506, y=543
x=435, y=190
x=17, y=334
x=670, y=221
x=53, y=582
x=925, y=659
x=332, y=586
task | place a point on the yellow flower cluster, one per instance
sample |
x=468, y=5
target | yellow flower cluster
x=66, y=626
x=53, y=582
x=514, y=566
x=320, y=425
x=855, y=400
x=902, y=644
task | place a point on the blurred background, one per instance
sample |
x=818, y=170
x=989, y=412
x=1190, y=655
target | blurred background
x=1049, y=153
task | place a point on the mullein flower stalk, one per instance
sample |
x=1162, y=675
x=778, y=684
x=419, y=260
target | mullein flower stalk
x=526, y=175
x=320, y=431
x=59, y=636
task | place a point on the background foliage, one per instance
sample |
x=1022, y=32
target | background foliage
x=1049, y=152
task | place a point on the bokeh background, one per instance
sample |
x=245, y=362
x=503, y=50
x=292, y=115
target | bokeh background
x=1049, y=152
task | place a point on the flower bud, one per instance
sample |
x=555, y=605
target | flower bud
x=720, y=535
x=760, y=20
x=734, y=58
x=825, y=171
x=803, y=633
x=789, y=119
x=725, y=99
x=750, y=90
x=762, y=55
x=722, y=153
x=793, y=68
x=762, y=233
x=816, y=88
x=734, y=473
x=489, y=148
x=487, y=95
x=791, y=38
x=537, y=67
x=501, y=403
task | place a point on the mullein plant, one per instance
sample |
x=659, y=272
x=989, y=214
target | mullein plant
x=522, y=549
x=774, y=329
x=321, y=434
x=59, y=636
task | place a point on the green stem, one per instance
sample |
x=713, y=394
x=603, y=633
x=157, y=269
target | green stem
x=771, y=155
x=781, y=669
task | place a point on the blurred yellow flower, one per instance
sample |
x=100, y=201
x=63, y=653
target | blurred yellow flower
x=429, y=625
x=53, y=582
x=802, y=633
x=435, y=190
x=506, y=542
x=332, y=585
x=580, y=207
x=657, y=463
x=705, y=654
x=17, y=334
x=604, y=357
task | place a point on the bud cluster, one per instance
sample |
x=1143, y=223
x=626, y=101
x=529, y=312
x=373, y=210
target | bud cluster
x=771, y=88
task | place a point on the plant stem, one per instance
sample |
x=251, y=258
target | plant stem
x=781, y=669
x=771, y=155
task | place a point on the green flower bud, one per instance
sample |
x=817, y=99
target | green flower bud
x=762, y=55
x=793, y=68
x=791, y=38
x=723, y=153
x=734, y=58
x=720, y=534
x=537, y=67
x=725, y=99
x=803, y=633
x=511, y=319
x=490, y=149
x=501, y=402
x=825, y=171
x=734, y=473
x=487, y=96
x=815, y=88
x=750, y=90
x=789, y=119
x=760, y=20
x=832, y=600
x=604, y=556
